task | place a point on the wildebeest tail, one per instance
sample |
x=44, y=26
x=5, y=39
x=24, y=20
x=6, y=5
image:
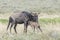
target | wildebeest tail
x=10, y=19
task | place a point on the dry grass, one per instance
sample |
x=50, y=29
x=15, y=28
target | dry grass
x=50, y=31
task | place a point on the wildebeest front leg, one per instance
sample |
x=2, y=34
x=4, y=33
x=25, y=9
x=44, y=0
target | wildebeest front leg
x=15, y=27
x=34, y=28
x=25, y=27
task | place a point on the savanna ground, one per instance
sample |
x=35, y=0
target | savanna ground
x=49, y=19
x=50, y=25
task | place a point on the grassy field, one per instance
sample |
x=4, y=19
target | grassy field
x=48, y=6
x=49, y=19
x=50, y=27
x=41, y=20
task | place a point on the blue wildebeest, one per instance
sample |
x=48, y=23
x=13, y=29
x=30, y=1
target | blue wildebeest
x=20, y=18
x=34, y=25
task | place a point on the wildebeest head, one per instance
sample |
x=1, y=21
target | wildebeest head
x=35, y=17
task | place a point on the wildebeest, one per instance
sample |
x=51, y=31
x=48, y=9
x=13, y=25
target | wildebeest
x=34, y=25
x=20, y=18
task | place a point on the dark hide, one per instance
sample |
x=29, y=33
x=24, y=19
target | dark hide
x=22, y=17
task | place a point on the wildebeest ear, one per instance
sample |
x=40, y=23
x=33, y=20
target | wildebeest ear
x=33, y=13
x=38, y=13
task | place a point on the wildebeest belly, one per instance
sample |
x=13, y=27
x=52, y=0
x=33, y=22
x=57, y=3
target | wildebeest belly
x=20, y=21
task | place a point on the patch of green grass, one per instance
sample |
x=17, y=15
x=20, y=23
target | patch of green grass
x=42, y=20
x=3, y=20
x=49, y=20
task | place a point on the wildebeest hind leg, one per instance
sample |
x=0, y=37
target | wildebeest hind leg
x=39, y=28
x=11, y=27
x=15, y=28
x=8, y=25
